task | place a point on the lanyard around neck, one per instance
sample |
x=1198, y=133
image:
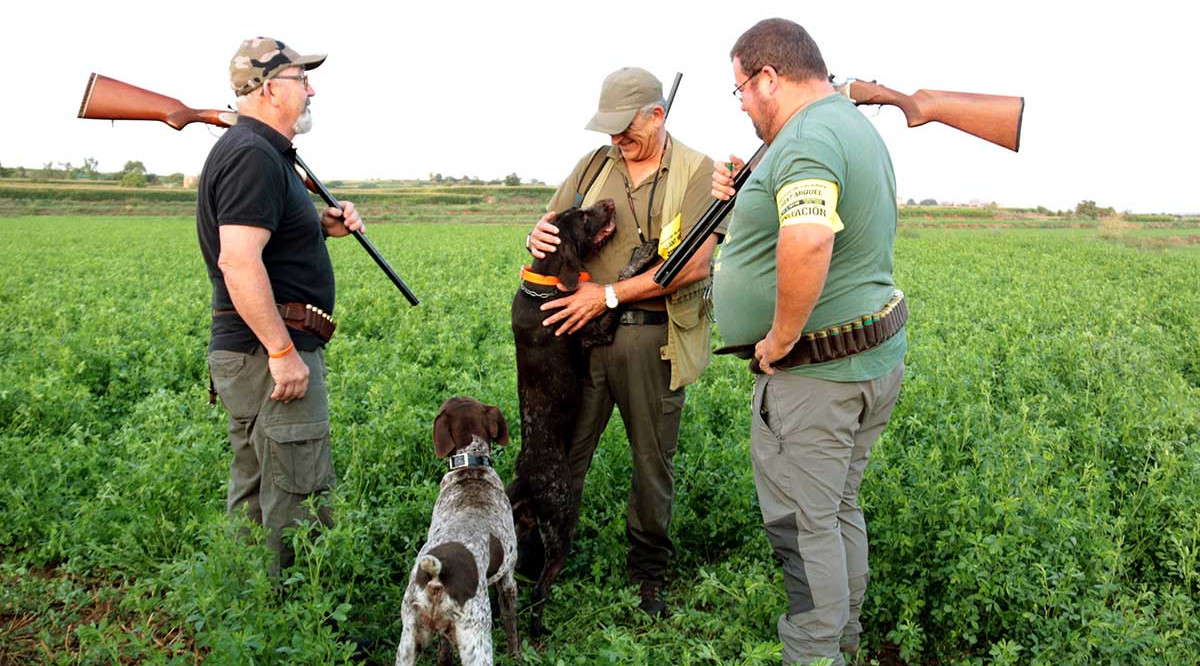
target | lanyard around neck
x=653, y=189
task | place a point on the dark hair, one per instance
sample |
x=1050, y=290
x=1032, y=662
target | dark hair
x=782, y=44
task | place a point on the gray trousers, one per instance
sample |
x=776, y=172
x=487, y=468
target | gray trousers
x=630, y=374
x=281, y=452
x=810, y=440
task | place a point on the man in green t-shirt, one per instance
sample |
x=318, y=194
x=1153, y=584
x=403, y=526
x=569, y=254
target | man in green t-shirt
x=805, y=280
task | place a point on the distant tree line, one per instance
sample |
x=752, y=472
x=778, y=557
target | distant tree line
x=511, y=180
x=1086, y=209
x=133, y=174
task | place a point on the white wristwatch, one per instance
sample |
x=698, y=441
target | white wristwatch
x=610, y=296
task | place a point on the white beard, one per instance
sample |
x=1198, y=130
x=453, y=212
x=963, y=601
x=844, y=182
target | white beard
x=304, y=123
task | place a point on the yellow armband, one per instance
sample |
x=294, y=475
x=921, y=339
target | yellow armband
x=809, y=201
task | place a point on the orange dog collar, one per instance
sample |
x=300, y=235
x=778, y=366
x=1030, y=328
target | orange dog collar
x=549, y=280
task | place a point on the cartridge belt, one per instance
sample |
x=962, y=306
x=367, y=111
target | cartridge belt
x=302, y=317
x=837, y=342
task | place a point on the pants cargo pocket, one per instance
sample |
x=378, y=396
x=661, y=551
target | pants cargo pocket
x=301, y=456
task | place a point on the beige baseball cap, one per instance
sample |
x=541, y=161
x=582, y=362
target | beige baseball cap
x=260, y=58
x=623, y=93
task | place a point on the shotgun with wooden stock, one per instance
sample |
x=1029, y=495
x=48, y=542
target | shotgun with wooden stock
x=994, y=118
x=110, y=99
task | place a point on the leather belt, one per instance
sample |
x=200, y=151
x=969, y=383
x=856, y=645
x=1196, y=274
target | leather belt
x=636, y=317
x=302, y=317
x=837, y=342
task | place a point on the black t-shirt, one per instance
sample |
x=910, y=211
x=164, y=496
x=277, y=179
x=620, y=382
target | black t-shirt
x=249, y=179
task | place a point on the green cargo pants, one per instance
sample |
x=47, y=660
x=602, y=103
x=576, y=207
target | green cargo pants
x=631, y=374
x=281, y=451
x=810, y=440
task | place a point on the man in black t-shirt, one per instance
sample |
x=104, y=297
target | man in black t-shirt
x=263, y=243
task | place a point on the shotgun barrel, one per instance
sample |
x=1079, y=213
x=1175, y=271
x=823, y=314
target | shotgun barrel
x=311, y=182
x=704, y=227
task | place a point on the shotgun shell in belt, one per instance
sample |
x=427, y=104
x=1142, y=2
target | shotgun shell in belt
x=837, y=342
x=824, y=347
x=810, y=343
x=848, y=338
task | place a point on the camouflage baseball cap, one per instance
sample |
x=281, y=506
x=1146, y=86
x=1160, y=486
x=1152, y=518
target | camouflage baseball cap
x=260, y=58
x=622, y=94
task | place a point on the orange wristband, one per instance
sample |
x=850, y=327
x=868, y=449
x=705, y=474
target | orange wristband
x=286, y=350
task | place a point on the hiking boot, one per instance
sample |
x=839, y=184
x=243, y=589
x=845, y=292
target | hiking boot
x=652, y=603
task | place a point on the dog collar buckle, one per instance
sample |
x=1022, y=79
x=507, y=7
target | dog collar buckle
x=461, y=460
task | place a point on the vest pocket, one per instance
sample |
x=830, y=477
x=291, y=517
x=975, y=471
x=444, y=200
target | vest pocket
x=688, y=342
x=301, y=456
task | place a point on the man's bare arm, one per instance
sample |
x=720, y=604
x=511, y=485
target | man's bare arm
x=802, y=263
x=249, y=288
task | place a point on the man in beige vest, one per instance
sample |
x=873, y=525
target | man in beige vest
x=661, y=188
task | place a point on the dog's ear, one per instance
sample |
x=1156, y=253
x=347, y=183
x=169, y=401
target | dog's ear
x=443, y=441
x=568, y=254
x=497, y=426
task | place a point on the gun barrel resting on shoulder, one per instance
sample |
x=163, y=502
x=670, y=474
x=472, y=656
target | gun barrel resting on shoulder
x=110, y=99
x=994, y=118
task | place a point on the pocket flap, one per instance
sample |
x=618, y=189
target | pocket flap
x=296, y=432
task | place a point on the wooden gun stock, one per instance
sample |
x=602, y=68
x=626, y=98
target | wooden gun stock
x=995, y=118
x=110, y=99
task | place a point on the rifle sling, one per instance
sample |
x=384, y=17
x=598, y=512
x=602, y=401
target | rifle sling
x=580, y=193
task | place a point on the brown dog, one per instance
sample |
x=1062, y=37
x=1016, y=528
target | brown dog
x=550, y=372
x=471, y=544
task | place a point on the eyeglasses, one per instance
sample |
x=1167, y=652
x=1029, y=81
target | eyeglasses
x=302, y=78
x=737, y=92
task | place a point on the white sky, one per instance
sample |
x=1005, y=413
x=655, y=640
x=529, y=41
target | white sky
x=486, y=89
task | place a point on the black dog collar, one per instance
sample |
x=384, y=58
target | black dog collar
x=461, y=460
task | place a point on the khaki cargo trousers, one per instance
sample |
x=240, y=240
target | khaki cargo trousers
x=281, y=451
x=810, y=440
x=630, y=374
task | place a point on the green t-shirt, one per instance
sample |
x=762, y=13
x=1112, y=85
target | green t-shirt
x=828, y=140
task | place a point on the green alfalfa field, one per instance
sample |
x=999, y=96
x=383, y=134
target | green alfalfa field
x=1034, y=500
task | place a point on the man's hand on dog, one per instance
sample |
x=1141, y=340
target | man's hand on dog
x=544, y=237
x=583, y=305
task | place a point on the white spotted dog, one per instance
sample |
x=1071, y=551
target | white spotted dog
x=471, y=544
